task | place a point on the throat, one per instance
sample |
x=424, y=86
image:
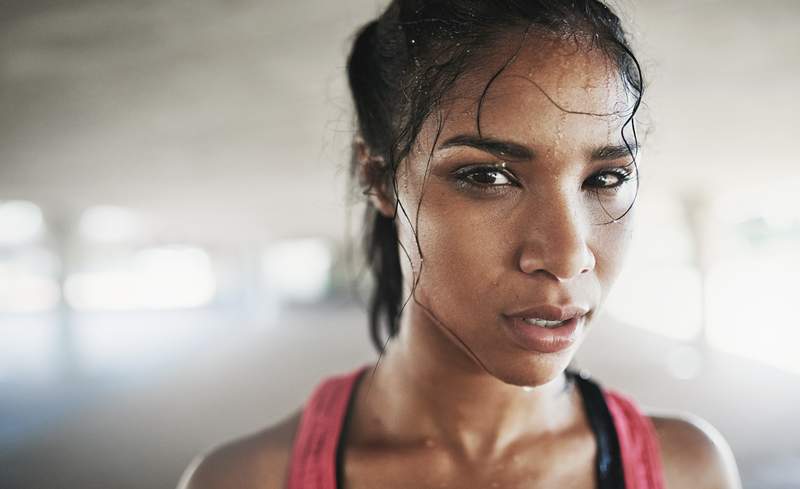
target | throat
x=473, y=418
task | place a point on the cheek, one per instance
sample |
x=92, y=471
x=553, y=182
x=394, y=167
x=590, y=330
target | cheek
x=465, y=253
x=469, y=251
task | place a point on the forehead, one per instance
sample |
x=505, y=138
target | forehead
x=537, y=90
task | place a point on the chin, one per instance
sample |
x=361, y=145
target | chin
x=531, y=369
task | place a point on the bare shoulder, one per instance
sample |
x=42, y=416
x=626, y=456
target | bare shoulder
x=694, y=454
x=258, y=461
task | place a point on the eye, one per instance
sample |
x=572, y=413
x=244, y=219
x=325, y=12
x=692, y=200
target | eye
x=611, y=178
x=486, y=177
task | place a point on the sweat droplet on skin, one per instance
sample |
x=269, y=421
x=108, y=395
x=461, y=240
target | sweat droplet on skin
x=562, y=121
x=562, y=117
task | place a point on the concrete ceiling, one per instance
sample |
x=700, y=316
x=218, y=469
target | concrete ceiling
x=229, y=120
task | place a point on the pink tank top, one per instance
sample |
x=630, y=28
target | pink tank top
x=313, y=463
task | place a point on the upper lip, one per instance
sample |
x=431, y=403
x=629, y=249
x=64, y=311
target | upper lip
x=551, y=312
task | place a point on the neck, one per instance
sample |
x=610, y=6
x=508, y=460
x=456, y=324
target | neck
x=428, y=389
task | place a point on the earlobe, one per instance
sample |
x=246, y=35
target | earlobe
x=373, y=178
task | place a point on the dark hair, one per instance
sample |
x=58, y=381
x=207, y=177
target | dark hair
x=403, y=62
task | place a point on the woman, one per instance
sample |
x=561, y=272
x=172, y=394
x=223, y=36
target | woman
x=497, y=146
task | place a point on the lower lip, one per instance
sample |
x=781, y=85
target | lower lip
x=544, y=340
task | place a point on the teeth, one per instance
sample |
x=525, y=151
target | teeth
x=543, y=322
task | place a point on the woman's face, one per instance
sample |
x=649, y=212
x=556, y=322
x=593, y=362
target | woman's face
x=517, y=217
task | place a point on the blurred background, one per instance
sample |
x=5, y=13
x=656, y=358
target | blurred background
x=175, y=266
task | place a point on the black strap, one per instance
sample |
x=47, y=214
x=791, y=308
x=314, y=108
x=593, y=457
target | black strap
x=608, y=466
x=348, y=416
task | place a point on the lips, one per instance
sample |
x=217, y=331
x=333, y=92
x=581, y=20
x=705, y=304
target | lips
x=551, y=312
x=527, y=327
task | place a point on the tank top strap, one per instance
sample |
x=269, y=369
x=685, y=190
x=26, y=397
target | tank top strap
x=608, y=469
x=628, y=451
x=313, y=463
x=638, y=442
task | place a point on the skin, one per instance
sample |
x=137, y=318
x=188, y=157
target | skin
x=446, y=407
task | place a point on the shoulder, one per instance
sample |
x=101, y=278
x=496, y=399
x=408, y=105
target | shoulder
x=694, y=454
x=258, y=460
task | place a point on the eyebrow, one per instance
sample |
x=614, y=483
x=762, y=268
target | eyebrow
x=496, y=147
x=510, y=150
x=615, y=152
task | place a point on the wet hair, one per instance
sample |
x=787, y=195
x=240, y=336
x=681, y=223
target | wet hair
x=403, y=63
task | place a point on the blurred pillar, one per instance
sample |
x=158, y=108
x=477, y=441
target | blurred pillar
x=697, y=205
x=258, y=304
x=67, y=355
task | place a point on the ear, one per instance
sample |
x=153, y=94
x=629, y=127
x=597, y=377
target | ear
x=373, y=178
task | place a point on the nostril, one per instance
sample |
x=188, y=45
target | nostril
x=560, y=262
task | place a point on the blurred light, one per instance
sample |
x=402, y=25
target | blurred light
x=660, y=290
x=751, y=308
x=24, y=292
x=684, y=362
x=777, y=202
x=110, y=224
x=752, y=287
x=21, y=222
x=37, y=260
x=298, y=270
x=155, y=278
x=136, y=341
x=663, y=233
x=659, y=298
x=28, y=281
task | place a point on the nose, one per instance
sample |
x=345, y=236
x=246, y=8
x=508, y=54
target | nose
x=557, y=242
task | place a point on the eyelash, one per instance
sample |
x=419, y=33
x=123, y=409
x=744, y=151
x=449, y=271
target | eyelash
x=623, y=174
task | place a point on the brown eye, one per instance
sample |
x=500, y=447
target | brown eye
x=485, y=177
x=610, y=179
x=488, y=177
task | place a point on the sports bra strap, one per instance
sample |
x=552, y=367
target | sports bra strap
x=608, y=462
x=638, y=441
x=313, y=460
x=628, y=454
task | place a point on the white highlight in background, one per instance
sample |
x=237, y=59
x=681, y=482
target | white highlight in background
x=173, y=277
x=751, y=307
x=24, y=292
x=660, y=288
x=28, y=281
x=298, y=270
x=663, y=299
x=110, y=224
x=21, y=222
x=753, y=286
